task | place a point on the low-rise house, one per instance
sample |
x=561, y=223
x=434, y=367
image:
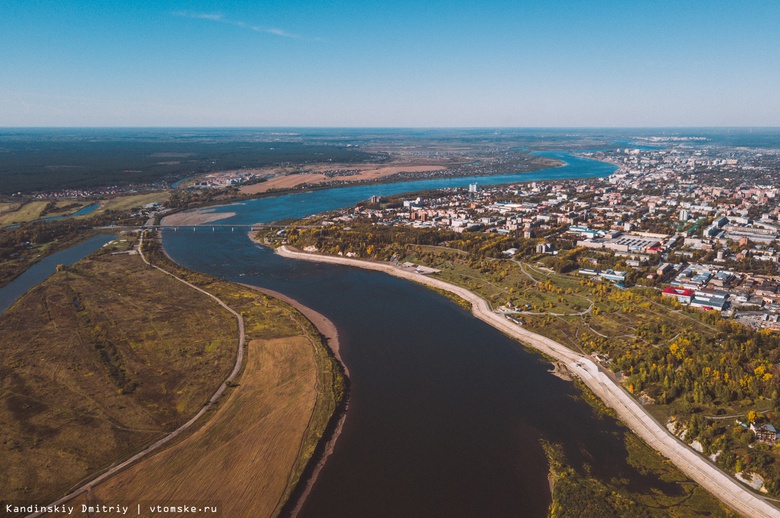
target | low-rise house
x=764, y=432
x=614, y=276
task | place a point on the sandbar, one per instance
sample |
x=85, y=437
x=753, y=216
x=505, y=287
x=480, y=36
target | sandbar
x=196, y=217
x=317, y=176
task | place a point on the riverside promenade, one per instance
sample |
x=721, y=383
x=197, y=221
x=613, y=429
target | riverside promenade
x=730, y=491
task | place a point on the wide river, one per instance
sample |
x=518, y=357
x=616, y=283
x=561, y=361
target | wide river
x=446, y=413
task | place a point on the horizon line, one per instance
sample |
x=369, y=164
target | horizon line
x=746, y=127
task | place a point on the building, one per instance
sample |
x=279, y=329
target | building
x=764, y=432
x=683, y=295
x=544, y=248
x=709, y=300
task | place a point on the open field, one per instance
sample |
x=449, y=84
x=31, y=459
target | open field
x=242, y=458
x=96, y=364
x=125, y=203
x=285, y=178
x=128, y=367
x=16, y=213
x=13, y=213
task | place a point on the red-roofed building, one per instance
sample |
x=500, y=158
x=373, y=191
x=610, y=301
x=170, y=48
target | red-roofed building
x=683, y=295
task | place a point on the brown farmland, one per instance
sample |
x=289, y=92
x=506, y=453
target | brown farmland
x=97, y=363
x=241, y=460
x=109, y=355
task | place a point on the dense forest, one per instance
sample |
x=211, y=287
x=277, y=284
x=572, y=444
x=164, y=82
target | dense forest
x=87, y=161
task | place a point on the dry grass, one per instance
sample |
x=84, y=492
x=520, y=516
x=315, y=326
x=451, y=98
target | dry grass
x=21, y=214
x=126, y=203
x=12, y=213
x=315, y=174
x=241, y=459
x=97, y=363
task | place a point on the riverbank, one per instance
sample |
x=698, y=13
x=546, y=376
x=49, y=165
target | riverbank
x=316, y=175
x=195, y=217
x=327, y=414
x=273, y=407
x=116, y=380
x=328, y=442
x=336, y=423
x=629, y=411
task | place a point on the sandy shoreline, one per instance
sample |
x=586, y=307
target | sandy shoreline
x=330, y=332
x=316, y=175
x=320, y=321
x=630, y=412
x=197, y=217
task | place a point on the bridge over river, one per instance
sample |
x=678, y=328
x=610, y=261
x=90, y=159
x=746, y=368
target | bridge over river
x=205, y=226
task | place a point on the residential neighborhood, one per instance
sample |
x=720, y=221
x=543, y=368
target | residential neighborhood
x=699, y=224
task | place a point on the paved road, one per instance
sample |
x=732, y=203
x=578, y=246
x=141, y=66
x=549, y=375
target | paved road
x=721, y=485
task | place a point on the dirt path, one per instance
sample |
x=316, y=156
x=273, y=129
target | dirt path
x=707, y=474
x=522, y=269
x=242, y=458
x=165, y=440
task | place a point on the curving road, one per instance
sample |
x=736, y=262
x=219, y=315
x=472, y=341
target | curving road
x=708, y=475
x=158, y=444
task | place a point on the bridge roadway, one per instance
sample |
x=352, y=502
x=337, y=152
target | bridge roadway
x=214, y=227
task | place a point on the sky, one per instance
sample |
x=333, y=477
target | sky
x=417, y=63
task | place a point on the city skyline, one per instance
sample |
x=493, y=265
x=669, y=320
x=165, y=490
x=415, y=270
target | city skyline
x=335, y=64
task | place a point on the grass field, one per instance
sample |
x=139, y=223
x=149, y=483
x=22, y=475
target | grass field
x=272, y=426
x=569, y=309
x=241, y=459
x=126, y=203
x=97, y=363
x=108, y=355
x=11, y=213
x=14, y=213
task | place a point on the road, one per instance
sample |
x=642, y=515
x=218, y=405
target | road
x=157, y=445
x=708, y=475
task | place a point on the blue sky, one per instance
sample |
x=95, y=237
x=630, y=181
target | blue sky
x=523, y=63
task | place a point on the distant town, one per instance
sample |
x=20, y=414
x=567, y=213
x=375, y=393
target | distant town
x=703, y=222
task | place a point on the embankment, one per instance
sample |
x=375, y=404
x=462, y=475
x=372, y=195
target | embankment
x=709, y=476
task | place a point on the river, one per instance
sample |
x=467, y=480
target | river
x=306, y=203
x=41, y=270
x=446, y=413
